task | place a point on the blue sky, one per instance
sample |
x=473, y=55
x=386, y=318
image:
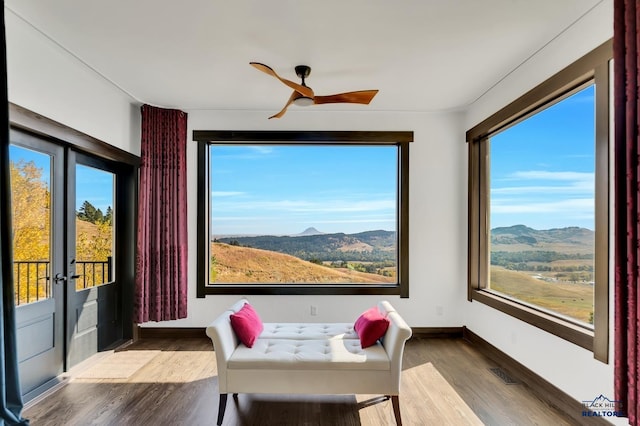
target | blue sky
x=93, y=185
x=542, y=176
x=542, y=169
x=282, y=190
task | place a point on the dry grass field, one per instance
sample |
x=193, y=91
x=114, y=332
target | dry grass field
x=82, y=226
x=571, y=299
x=234, y=264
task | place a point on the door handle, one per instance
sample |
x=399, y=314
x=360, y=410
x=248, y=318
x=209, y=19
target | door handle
x=59, y=277
x=75, y=277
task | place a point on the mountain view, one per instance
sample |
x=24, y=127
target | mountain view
x=521, y=237
x=370, y=246
x=311, y=231
x=550, y=268
x=308, y=257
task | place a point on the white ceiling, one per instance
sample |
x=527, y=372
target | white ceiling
x=429, y=55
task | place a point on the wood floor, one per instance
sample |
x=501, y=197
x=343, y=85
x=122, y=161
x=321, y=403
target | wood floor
x=444, y=382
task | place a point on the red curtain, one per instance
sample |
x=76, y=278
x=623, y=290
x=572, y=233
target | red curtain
x=161, y=259
x=627, y=197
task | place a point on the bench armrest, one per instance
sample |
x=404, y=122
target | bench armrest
x=224, y=341
x=393, y=341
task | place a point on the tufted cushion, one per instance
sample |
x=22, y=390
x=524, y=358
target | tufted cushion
x=325, y=354
x=246, y=324
x=371, y=326
x=308, y=331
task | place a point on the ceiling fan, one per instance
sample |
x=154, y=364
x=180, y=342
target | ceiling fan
x=303, y=95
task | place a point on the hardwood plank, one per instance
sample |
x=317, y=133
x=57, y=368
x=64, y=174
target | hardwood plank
x=170, y=332
x=547, y=391
x=445, y=382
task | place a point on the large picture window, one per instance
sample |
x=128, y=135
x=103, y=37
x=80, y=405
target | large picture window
x=538, y=201
x=281, y=216
x=542, y=209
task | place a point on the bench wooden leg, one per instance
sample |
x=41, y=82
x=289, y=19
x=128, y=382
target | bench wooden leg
x=222, y=407
x=395, y=401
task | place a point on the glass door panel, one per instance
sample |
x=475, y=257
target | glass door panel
x=94, y=308
x=37, y=207
x=95, y=198
x=31, y=211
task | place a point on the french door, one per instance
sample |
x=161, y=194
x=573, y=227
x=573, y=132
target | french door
x=67, y=293
x=92, y=302
x=37, y=203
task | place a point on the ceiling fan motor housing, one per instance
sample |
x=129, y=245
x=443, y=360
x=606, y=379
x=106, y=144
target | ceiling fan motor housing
x=303, y=71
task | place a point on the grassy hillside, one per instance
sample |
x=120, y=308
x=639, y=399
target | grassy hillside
x=234, y=264
x=91, y=229
x=370, y=246
x=574, y=300
x=570, y=240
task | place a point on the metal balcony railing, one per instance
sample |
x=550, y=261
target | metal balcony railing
x=32, y=278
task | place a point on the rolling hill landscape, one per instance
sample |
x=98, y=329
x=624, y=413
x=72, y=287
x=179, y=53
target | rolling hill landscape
x=235, y=264
x=370, y=246
x=562, y=240
x=552, y=269
x=310, y=257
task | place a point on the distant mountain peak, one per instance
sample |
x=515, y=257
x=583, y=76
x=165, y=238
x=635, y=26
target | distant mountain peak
x=311, y=231
x=514, y=229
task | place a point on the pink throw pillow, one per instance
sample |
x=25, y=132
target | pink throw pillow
x=370, y=326
x=247, y=325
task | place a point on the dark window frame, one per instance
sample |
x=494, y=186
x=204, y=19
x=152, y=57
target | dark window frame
x=593, y=67
x=206, y=137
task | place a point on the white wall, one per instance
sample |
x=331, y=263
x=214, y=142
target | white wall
x=437, y=214
x=46, y=79
x=567, y=366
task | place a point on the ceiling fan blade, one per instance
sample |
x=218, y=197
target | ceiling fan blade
x=303, y=90
x=359, y=97
x=293, y=96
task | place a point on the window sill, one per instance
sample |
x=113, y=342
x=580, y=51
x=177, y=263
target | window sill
x=304, y=290
x=574, y=333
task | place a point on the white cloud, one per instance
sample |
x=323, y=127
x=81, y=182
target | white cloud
x=298, y=206
x=574, y=188
x=226, y=193
x=575, y=206
x=534, y=182
x=261, y=149
x=360, y=220
x=248, y=152
x=546, y=175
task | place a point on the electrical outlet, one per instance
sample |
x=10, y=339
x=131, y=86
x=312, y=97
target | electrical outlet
x=439, y=311
x=314, y=310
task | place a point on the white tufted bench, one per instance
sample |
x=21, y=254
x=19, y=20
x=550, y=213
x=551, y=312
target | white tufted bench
x=309, y=358
x=308, y=331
